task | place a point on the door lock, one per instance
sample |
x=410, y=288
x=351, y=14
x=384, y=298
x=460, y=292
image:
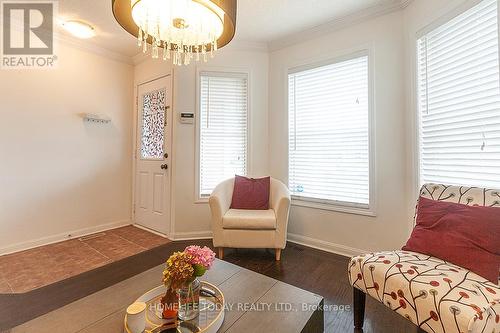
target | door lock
x=165, y=155
x=164, y=166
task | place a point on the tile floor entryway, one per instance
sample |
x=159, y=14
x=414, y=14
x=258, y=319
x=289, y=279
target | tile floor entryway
x=24, y=271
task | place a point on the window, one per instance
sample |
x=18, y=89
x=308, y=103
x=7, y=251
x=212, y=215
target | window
x=153, y=125
x=222, y=128
x=329, y=148
x=459, y=100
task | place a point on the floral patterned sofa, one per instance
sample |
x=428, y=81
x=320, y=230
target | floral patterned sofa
x=435, y=295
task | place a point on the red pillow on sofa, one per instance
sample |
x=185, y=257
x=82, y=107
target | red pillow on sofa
x=251, y=193
x=467, y=236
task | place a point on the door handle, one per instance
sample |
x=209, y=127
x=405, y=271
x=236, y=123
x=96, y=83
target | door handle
x=164, y=166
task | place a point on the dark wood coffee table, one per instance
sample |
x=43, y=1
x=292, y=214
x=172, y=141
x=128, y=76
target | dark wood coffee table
x=257, y=303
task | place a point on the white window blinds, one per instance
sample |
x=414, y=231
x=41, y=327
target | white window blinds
x=459, y=100
x=329, y=133
x=223, y=128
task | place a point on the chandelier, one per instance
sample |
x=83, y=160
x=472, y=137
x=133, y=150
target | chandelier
x=180, y=30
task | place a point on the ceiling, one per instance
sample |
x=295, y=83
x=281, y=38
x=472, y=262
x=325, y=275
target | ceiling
x=269, y=20
x=258, y=21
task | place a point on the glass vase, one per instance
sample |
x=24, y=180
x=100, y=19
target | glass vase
x=189, y=300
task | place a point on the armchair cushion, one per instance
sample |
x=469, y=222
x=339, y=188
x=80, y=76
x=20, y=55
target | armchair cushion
x=434, y=294
x=249, y=219
x=251, y=193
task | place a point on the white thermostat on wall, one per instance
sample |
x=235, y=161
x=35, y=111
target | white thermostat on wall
x=187, y=117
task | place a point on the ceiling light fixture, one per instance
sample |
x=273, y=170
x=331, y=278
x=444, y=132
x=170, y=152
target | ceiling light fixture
x=79, y=29
x=182, y=30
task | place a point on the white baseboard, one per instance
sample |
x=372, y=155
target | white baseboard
x=61, y=237
x=343, y=250
x=178, y=236
x=150, y=230
x=294, y=238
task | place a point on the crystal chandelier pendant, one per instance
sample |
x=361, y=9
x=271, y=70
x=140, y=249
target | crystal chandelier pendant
x=182, y=29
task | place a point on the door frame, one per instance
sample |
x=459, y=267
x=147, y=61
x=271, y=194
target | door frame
x=170, y=136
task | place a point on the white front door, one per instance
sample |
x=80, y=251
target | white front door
x=153, y=155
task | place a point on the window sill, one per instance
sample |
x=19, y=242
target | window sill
x=334, y=207
x=202, y=200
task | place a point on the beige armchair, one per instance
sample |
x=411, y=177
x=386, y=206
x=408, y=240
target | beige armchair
x=238, y=228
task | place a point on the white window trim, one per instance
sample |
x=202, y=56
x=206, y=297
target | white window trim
x=218, y=71
x=331, y=205
x=442, y=19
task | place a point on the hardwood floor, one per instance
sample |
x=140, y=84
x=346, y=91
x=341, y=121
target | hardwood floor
x=317, y=271
x=325, y=274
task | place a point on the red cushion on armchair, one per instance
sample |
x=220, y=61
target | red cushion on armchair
x=467, y=236
x=251, y=193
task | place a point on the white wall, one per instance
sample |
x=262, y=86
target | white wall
x=192, y=219
x=59, y=175
x=341, y=232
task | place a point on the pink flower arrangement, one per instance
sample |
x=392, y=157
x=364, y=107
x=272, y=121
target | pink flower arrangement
x=183, y=267
x=181, y=270
x=202, y=256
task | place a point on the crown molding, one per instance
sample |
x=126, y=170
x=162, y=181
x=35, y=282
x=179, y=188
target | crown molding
x=235, y=45
x=243, y=45
x=88, y=46
x=338, y=24
x=140, y=58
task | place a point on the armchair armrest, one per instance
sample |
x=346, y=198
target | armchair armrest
x=280, y=202
x=220, y=201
